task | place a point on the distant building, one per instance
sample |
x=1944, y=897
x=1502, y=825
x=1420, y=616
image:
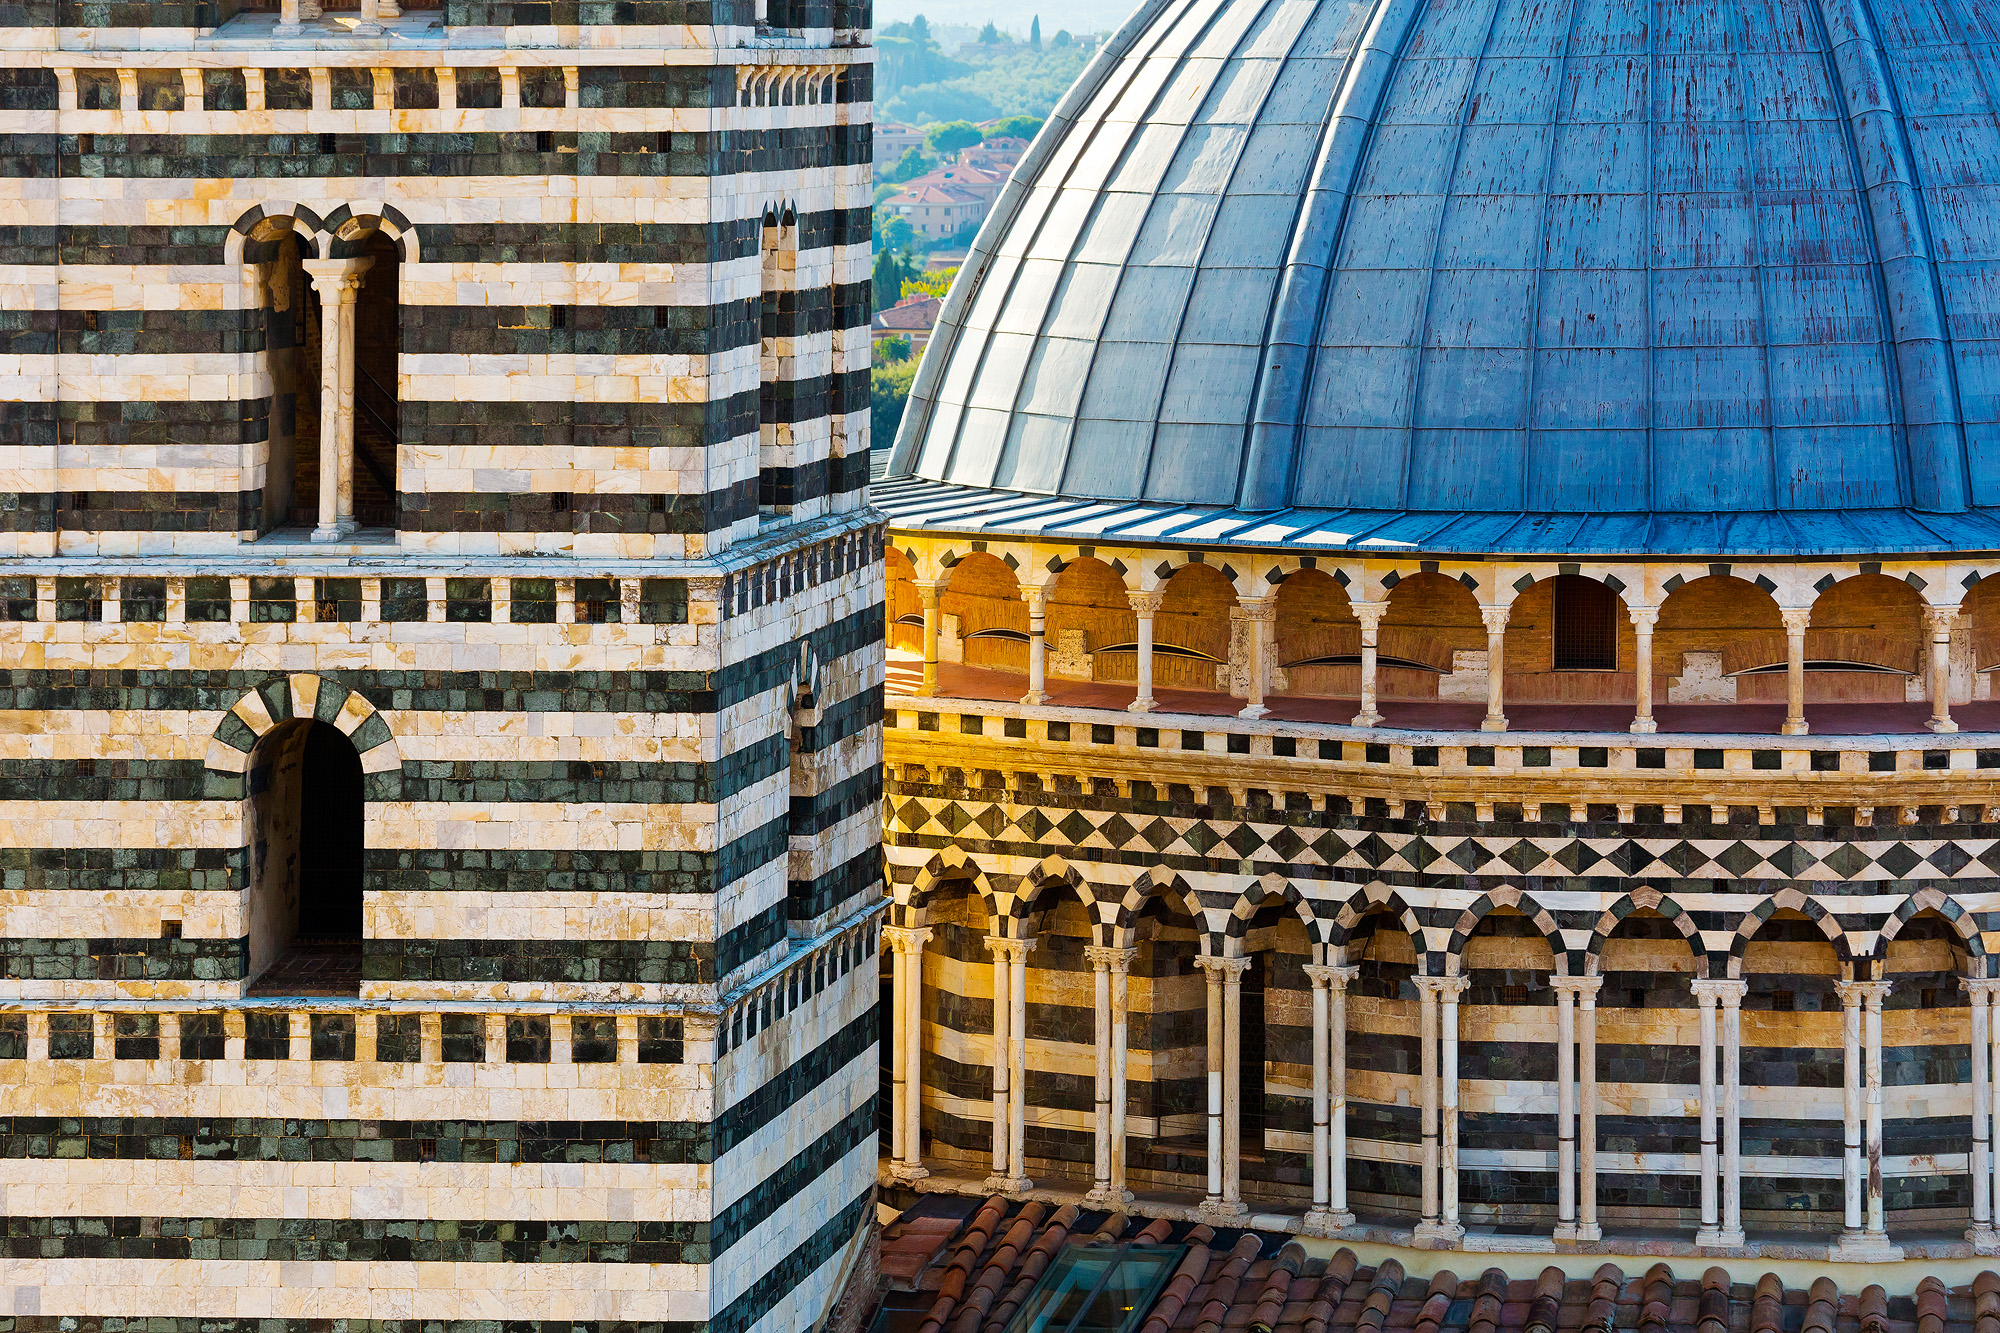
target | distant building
x=1000, y=155
x=913, y=317
x=938, y=210
x=893, y=139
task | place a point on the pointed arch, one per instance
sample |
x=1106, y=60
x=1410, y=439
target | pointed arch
x=1646, y=900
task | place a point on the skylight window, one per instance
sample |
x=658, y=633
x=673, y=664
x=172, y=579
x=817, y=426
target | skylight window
x=1097, y=1289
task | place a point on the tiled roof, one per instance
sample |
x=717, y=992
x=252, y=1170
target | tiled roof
x=963, y=1266
x=912, y=312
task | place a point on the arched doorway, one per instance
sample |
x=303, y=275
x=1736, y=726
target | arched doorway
x=306, y=861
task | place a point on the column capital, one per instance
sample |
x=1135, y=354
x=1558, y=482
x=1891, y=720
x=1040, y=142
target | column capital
x=1980, y=986
x=1111, y=956
x=1146, y=603
x=1729, y=990
x=1796, y=618
x=928, y=590
x=1369, y=613
x=1258, y=608
x=1443, y=988
x=906, y=939
x=1333, y=975
x=1228, y=969
x=1853, y=993
x=1495, y=618
x=1938, y=621
x=1036, y=595
x=1577, y=985
x=337, y=277
x=1643, y=618
x=1010, y=949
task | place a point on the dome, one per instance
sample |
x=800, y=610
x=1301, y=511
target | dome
x=1501, y=262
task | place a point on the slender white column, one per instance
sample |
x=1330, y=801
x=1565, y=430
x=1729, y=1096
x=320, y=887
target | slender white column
x=1121, y=968
x=1496, y=667
x=338, y=282
x=1258, y=615
x=1937, y=624
x=1100, y=976
x=1342, y=1216
x=1643, y=620
x=1441, y=1112
x=1038, y=645
x=1329, y=1211
x=1850, y=1110
x=1711, y=1215
x=927, y=593
x=909, y=945
x=1871, y=1243
x=1145, y=605
x=1223, y=1123
x=1370, y=615
x=1872, y=995
x=1002, y=1099
x=1796, y=619
x=1427, y=1065
x=1586, y=994
x=1979, y=992
x=892, y=938
x=1565, y=1109
x=1017, y=1049
x=1319, y=975
x=1232, y=1083
x=1732, y=1111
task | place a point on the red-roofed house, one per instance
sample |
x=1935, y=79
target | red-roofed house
x=913, y=317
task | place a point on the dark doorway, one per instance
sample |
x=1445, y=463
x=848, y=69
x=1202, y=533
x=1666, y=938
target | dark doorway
x=1250, y=1053
x=378, y=342
x=330, y=837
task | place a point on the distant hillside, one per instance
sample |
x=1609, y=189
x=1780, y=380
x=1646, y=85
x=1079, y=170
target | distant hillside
x=918, y=83
x=1076, y=15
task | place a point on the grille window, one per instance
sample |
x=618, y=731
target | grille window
x=1586, y=625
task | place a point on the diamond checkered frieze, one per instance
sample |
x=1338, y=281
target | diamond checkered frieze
x=1898, y=859
x=1847, y=861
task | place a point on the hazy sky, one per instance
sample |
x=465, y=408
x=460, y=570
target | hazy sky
x=1076, y=15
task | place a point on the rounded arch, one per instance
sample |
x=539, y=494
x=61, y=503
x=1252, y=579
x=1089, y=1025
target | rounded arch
x=950, y=865
x=1049, y=883
x=1195, y=622
x=1164, y=885
x=1862, y=621
x=1258, y=895
x=1788, y=900
x=308, y=697
x=253, y=236
x=1091, y=621
x=1946, y=908
x=983, y=620
x=1431, y=619
x=903, y=608
x=1317, y=636
x=349, y=226
x=1519, y=901
x=1644, y=900
x=1378, y=899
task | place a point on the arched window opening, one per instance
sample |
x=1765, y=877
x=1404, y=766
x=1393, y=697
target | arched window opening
x=778, y=318
x=378, y=342
x=1586, y=625
x=306, y=865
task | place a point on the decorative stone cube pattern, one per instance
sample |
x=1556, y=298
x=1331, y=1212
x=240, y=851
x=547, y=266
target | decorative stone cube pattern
x=1299, y=853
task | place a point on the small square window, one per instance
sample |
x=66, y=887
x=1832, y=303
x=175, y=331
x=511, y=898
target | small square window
x=1882, y=761
x=464, y=1039
x=202, y=1037
x=267, y=1035
x=532, y=601
x=135, y=1036
x=1058, y=731
x=598, y=602
x=663, y=602
x=528, y=1039
x=1826, y=761
x=72, y=1037
x=142, y=601
x=399, y=1039
x=405, y=600
x=659, y=1041
x=333, y=1036
x=13, y=1036
x=274, y=601
x=468, y=601
x=338, y=600
x=207, y=601
x=78, y=599
x=17, y=598
x=593, y=1041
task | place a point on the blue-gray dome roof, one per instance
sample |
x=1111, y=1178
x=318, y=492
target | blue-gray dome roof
x=1510, y=256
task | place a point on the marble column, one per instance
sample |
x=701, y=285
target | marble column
x=1711, y=1213
x=1937, y=626
x=1727, y=1229
x=1496, y=667
x=1370, y=615
x=1225, y=1106
x=1565, y=1108
x=338, y=282
x=1017, y=1055
x=1852, y=1186
x=906, y=1043
x=1038, y=645
x=1259, y=613
x=1979, y=993
x=1796, y=619
x=1109, y=967
x=1003, y=1010
x=1587, y=1227
x=1440, y=1226
x=1643, y=620
x=1145, y=605
x=927, y=593
x=1329, y=1074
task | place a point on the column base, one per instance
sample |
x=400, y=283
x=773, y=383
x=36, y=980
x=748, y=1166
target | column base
x=1009, y=1184
x=1368, y=719
x=1644, y=726
x=1494, y=723
x=1104, y=1196
x=1862, y=1247
x=1437, y=1235
x=1221, y=1210
x=906, y=1172
x=1034, y=699
x=1791, y=728
x=366, y=29
x=339, y=530
x=1944, y=726
x=1985, y=1240
x=1717, y=1238
x=1140, y=706
x=1253, y=712
x=1326, y=1222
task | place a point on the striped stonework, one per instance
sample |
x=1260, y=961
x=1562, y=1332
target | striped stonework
x=440, y=665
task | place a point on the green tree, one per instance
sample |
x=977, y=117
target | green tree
x=888, y=391
x=920, y=26
x=894, y=349
x=892, y=231
x=1035, y=33
x=1062, y=39
x=1017, y=127
x=909, y=166
x=989, y=35
x=945, y=139
x=892, y=272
